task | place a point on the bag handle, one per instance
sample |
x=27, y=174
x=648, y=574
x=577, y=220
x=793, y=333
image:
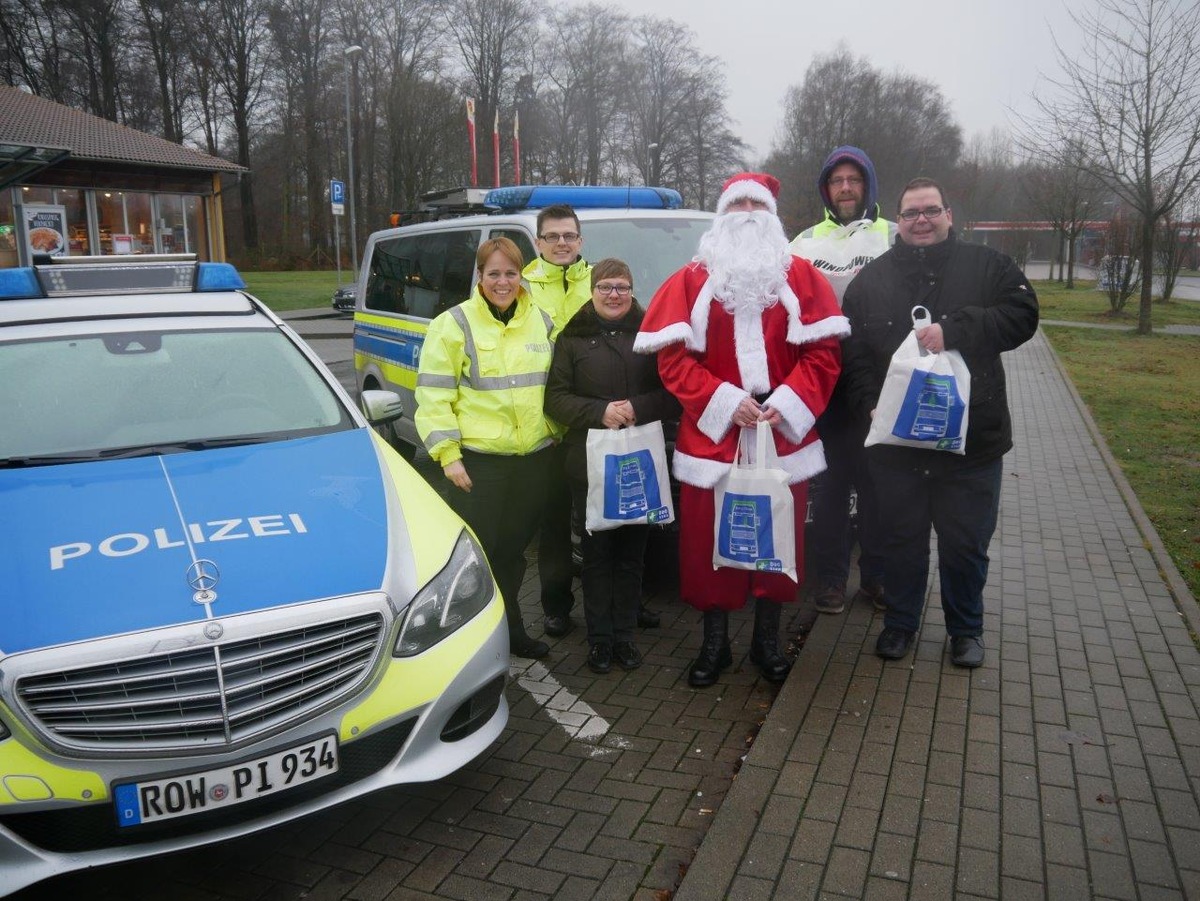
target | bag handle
x=765, y=456
x=921, y=318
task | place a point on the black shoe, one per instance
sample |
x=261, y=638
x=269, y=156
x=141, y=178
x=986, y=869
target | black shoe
x=600, y=657
x=966, y=650
x=556, y=626
x=524, y=646
x=647, y=618
x=871, y=593
x=627, y=655
x=893, y=644
x=830, y=599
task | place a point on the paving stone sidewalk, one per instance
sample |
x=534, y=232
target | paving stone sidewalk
x=1067, y=767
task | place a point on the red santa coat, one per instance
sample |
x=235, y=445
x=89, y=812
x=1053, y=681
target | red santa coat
x=710, y=359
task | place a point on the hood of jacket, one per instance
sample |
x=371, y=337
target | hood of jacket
x=856, y=155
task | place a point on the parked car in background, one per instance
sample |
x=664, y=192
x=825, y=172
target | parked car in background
x=343, y=298
x=227, y=602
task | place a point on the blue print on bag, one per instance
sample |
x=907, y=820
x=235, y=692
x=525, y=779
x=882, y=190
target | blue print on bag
x=630, y=485
x=746, y=532
x=932, y=411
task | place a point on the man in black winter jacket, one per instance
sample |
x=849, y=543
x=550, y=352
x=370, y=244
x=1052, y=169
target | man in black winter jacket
x=981, y=305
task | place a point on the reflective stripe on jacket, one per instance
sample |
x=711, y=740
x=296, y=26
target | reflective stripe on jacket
x=559, y=290
x=828, y=225
x=481, y=383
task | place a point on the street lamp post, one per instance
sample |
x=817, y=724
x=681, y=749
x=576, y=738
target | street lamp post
x=346, y=54
x=654, y=176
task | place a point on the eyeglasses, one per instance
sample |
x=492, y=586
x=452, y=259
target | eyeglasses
x=620, y=290
x=930, y=213
x=854, y=181
x=555, y=237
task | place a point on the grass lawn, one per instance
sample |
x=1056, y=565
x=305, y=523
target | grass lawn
x=294, y=290
x=1084, y=303
x=1144, y=393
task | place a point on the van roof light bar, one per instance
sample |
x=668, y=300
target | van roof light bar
x=583, y=197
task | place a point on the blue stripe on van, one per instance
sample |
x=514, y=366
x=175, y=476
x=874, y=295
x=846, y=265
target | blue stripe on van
x=401, y=348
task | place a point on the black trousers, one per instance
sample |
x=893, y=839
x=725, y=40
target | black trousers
x=613, y=561
x=503, y=508
x=554, y=539
x=960, y=501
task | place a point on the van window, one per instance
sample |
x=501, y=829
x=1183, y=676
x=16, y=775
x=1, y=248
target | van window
x=653, y=248
x=423, y=274
x=519, y=237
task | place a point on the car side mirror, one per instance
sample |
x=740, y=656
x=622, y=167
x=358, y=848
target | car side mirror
x=382, y=407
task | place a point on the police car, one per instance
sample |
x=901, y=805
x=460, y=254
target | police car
x=412, y=273
x=226, y=601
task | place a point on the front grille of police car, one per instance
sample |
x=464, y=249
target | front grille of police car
x=203, y=698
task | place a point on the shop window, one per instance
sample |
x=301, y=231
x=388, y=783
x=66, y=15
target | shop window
x=125, y=222
x=181, y=225
x=8, y=230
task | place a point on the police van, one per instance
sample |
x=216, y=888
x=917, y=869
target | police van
x=227, y=601
x=412, y=273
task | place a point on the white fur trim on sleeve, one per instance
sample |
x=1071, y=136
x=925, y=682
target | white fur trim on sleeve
x=651, y=342
x=798, y=419
x=717, y=417
x=830, y=327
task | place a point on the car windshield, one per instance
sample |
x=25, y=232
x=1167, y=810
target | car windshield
x=653, y=248
x=94, y=396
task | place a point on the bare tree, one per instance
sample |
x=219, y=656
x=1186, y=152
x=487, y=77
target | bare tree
x=1063, y=191
x=493, y=40
x=1121, y=274
x=239, y=63
x=1132, y=102
x=904, y=123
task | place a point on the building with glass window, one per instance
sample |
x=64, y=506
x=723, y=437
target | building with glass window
x=74, y=184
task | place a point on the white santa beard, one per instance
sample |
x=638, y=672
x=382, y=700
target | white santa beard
x=747, y=258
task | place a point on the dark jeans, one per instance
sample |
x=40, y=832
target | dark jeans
x=960, y=500
x=613, y=560
x=829, y=533
x=503, y=508
x=554, y=539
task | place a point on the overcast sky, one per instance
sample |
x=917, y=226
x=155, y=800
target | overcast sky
x=985, y=56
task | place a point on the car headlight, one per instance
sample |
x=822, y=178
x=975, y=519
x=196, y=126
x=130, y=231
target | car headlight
x=4, y=733
x=452, y=597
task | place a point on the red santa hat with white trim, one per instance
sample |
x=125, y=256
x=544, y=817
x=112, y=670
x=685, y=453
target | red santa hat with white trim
x=754, y=185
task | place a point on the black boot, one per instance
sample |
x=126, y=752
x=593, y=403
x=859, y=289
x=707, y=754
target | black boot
x=519, y=642
x=764, y=649
x=714, y=652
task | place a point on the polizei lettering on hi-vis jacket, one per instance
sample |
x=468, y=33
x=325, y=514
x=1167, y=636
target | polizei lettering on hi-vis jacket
x=123, y=544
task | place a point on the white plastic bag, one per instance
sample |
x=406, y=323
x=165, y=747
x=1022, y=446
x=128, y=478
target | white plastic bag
x=754, y=526
x=628, y=479
x=925, y=398
x=840, y=254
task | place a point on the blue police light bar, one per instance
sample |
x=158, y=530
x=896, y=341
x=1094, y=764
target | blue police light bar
x=19, y=284
x=218, y=277
x=583, y=197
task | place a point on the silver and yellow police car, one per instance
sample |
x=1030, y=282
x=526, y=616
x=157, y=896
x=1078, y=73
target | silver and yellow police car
x=225, y=602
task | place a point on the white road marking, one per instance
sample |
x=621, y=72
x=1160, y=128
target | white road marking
x=562, y=705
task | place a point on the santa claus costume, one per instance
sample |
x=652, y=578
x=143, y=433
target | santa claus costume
x=744, y=320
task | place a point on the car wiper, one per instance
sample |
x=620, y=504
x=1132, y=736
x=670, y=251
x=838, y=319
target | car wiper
x=141, y=450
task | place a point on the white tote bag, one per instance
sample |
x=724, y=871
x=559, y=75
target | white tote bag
x=925, y=398
x=754, y=527
x=840, y=254
x=628, y=479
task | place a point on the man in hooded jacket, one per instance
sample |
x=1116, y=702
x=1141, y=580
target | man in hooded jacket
x=852, y=234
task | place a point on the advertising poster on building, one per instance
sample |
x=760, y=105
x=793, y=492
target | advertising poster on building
x=45, y=229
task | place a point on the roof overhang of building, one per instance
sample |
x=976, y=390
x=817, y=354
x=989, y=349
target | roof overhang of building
x=20, y=161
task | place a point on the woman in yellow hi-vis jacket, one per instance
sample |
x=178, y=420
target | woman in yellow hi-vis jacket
x=481, y=384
